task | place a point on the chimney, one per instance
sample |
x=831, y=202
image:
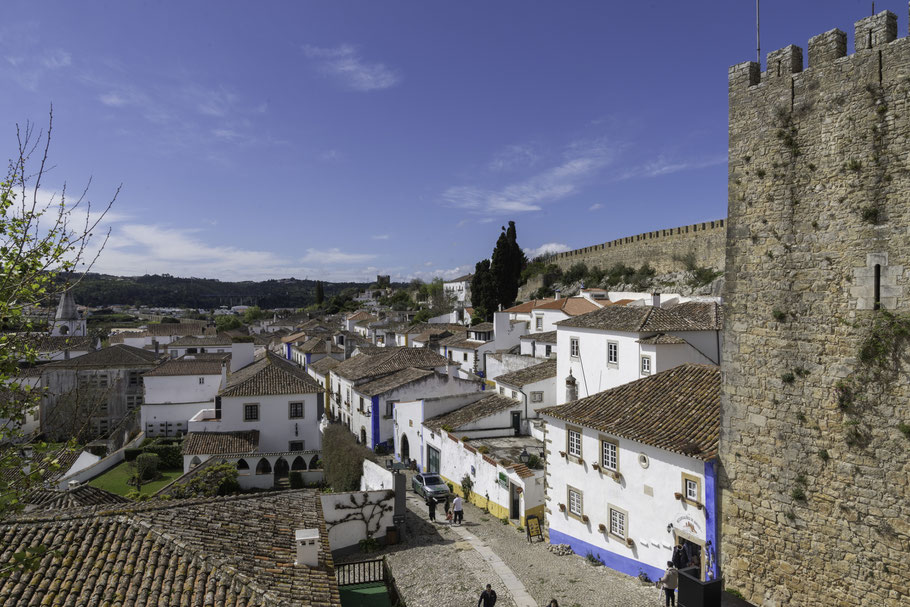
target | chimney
x=155, y=343
x=348, y=348
x=242, y=354
x=307, y=544
x=557, y=293
x=655, y=300
x=328, y=347
x=571, y=388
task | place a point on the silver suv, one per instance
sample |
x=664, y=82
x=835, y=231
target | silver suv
x=429, y=484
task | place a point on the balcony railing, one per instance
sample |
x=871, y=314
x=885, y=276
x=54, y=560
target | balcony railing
x=361, y=572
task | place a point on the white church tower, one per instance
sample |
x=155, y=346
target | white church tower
x=68, y=321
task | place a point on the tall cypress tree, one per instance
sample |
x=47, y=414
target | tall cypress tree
x=501, y=267
x=320, y=293
x=484, y=294
x=517, y=262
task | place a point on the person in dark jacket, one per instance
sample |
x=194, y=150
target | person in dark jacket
x=431, y=504
x=669, y=582
x=487, y=597
x=679, y=558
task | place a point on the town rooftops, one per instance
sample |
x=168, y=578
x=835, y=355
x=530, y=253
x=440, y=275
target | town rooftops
x=547, y=337
x=571, y=306
x=483, y=327
x=677, y=410
x=222, y=552
x=269, y=375
x=662, y=339
x=187, y=366
x=324, y=365
x=316, y=345
x=175, y=328
x=486, y=406
x=389, y=360
x=221, y=443
x=361, y=315
x=51, y=465
x=691, y=316
x=77, y=497
x=529, y=375
x=57, y=343
x=116, y=356
x=190, y=341
x=394, y=381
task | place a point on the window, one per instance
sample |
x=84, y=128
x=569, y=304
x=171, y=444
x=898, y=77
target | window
x=573, y=442
x=389, y=408
x=646, y=365
x=514, y=394
x=201, y=380
x=612, y=353
x=133, y=401
x=135, y=378
x=575, y=502
x=251, y=412
x=502, y=390
x=450, y=355
x=295, y=411
x=538, y=323
x=547, y=351
x=536, y=397
x=295, y=445
x=360, y=407
x=609, y=455
x=691, y=487
x=465, y=357
x=573, y=347
x=618, y=526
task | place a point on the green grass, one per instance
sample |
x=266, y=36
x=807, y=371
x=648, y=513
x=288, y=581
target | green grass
x=114, y=480
x=365, y=595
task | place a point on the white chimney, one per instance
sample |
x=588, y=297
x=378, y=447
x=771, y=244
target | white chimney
x=655, y=300
x=242, y=354
x=557, y=293
x=73, y=484
x=307, y=543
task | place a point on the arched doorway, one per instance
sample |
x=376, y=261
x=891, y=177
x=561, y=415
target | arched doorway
x=263, y=467
x=242, y=465
x=281, y=468
x=195, y=461
x=363, y=435
x=405, y=448
x=314, y=462
x=298, y=464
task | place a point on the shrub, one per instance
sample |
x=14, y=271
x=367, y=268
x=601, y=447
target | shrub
x=131, y=454
x=534, y=462
x=575, y=273
x=798, y=494
x=343, y=458
x=870, y=214
x=220, y=479
x=146, y=466
x=170, y=455
x=296, y=479
x=467, y=484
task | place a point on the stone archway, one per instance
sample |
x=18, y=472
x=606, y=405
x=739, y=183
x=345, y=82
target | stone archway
x=242, y=465
x=263, y=467
x=405, y=451
x=282, y=469
x=298, y=464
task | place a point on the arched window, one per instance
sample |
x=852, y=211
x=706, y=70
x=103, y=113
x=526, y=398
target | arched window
x=242, y=465
x=298, y=464
x=263, y=467
x=195, y=461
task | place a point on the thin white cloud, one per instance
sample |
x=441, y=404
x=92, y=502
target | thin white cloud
x=57, y=59
x=664, y=166
x=444, y=273
x=334, y=256
x=330, y=155
x=546, y=249
x=512, y=157
x=28, y=70
x=596, y=206
x=381, y=237
x=580, y=161
x=345, y=65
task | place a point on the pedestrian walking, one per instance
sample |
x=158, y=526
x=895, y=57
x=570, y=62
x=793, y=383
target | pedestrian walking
x=487, y=597
x=458, y=509
x=431, y=504
x=669, y=582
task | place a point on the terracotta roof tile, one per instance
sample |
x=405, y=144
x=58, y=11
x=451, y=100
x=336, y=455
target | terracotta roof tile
x=677, y=410
x=691, y=316
x=547, y=337
x=219, y=443
x=484, y=407
x=186, y=366
x=394, y=381
x=324, y=365
x=529, y=375
x=388, y=360
x=83, y=495
x=270, y=375
x=113, y=356
x=662, y=339
x=192, y=340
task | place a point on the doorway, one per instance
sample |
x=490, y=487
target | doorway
x=405, y=449
x=514, y=502
x=516, y=422
x=693, y=550
x=281, y=468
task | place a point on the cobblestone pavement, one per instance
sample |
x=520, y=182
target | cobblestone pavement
x=435, y=566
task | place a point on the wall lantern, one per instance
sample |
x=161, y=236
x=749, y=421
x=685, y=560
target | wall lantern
x=524, y=456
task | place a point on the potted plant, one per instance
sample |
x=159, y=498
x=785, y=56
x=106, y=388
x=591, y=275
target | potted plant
x=596, y=466
x=630, y=542
x=584, y=518
x=562, y=507
x=602, y=528
x=678, y=495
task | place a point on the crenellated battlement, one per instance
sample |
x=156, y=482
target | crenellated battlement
x=870, y=33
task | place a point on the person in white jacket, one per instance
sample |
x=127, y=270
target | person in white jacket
x=669, y=582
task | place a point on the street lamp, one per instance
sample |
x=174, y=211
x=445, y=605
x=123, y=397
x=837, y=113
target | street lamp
x=524, y=456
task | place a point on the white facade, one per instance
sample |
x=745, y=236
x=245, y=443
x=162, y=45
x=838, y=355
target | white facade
x=459, y=289
x=537, y=349
x=280, y=428
x=641, y=509
x=586, y=351
x=172, y=400
x=408, y=418
x=533, y=397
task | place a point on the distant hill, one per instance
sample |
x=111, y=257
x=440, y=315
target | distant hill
x=170, y=291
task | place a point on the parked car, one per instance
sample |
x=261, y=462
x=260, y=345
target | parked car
x=429, y=484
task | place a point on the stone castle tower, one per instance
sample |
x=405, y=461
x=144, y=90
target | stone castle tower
x=815, y=442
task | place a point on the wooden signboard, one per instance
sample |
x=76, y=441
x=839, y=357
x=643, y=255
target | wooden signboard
x=533, y=528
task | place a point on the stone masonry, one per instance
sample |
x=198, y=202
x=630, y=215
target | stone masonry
x=814, y=452
x=663, y=249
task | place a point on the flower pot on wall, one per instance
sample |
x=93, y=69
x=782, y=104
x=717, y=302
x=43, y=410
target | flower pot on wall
x=678, y=495
x=602, y=528
x=562, y=507
x=630, y=542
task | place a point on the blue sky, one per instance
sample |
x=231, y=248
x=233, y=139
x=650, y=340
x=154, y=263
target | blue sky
x=338, y=140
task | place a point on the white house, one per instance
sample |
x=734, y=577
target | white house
x=631, y=471
x=176, y=390
x=273, y=396
x=470, y=353
x=408, y=418
x=351, y=320
x=306, y=351
x=161, y=334
x=619, y=344
x=217, y=344
x=543, y=314
x=459, y=289
x=319, y=370
x=534, y=387
x=539, y=345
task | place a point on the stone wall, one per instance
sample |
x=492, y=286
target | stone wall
x=660, y=248
x=814, y=465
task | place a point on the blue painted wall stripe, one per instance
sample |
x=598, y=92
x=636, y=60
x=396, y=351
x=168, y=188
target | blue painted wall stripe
x=711, y=522
x=374, y=418
x=620, y=563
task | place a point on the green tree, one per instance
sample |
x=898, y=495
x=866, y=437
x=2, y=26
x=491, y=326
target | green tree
x=226, y=322
x=39, y=242
x=252, y=314
x=320, y=293
x=342, y=458
x=507, y=263
x=484, y=294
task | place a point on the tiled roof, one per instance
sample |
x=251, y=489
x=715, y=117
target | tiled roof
x=316, y=345
x=529, y=375
x=174, y=328
x=296, y=336
x=56, y=343
x=527, y=306
x=440, y=334
x=186, y=366
x=361, y=315
x=465, y=344
x=270, y=375
x=389, y=360
x=483, y=327
x=465, y=278
x=452, y=338
x=51, y=466
x=547, y=337
x=324, y=365
x=235, y=551
x=83, y=495
x=645, y=319
x=218, y=443
x=119, y=356
x=662, y=339
x=571, y=306
x=393, y=381
x=677, y=410
x=486, y=406
x=192, y=340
